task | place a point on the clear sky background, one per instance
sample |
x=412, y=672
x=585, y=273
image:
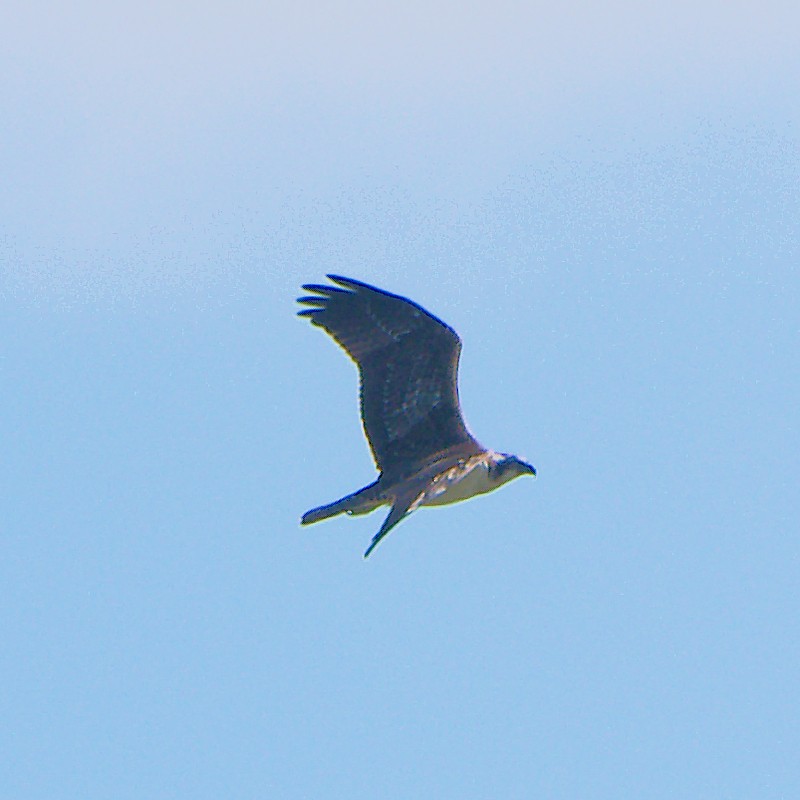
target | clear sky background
x=603, y=199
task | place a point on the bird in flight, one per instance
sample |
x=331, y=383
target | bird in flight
x=407, y=361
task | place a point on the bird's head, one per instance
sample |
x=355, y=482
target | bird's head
x=508, y=467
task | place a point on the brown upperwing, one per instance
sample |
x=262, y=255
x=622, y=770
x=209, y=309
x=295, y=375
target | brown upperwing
x=408, y=365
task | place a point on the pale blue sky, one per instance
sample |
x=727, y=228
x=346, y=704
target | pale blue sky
x=605, y=205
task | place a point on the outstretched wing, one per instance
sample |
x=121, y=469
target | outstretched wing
x=408, y=364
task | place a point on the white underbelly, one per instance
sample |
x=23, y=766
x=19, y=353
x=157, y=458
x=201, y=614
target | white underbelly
x=452, y=491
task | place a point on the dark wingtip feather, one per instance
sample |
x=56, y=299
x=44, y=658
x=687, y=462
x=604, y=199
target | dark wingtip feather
x=322, y=289
x=350, y=283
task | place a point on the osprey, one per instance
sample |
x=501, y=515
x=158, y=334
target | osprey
x=408, y=365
